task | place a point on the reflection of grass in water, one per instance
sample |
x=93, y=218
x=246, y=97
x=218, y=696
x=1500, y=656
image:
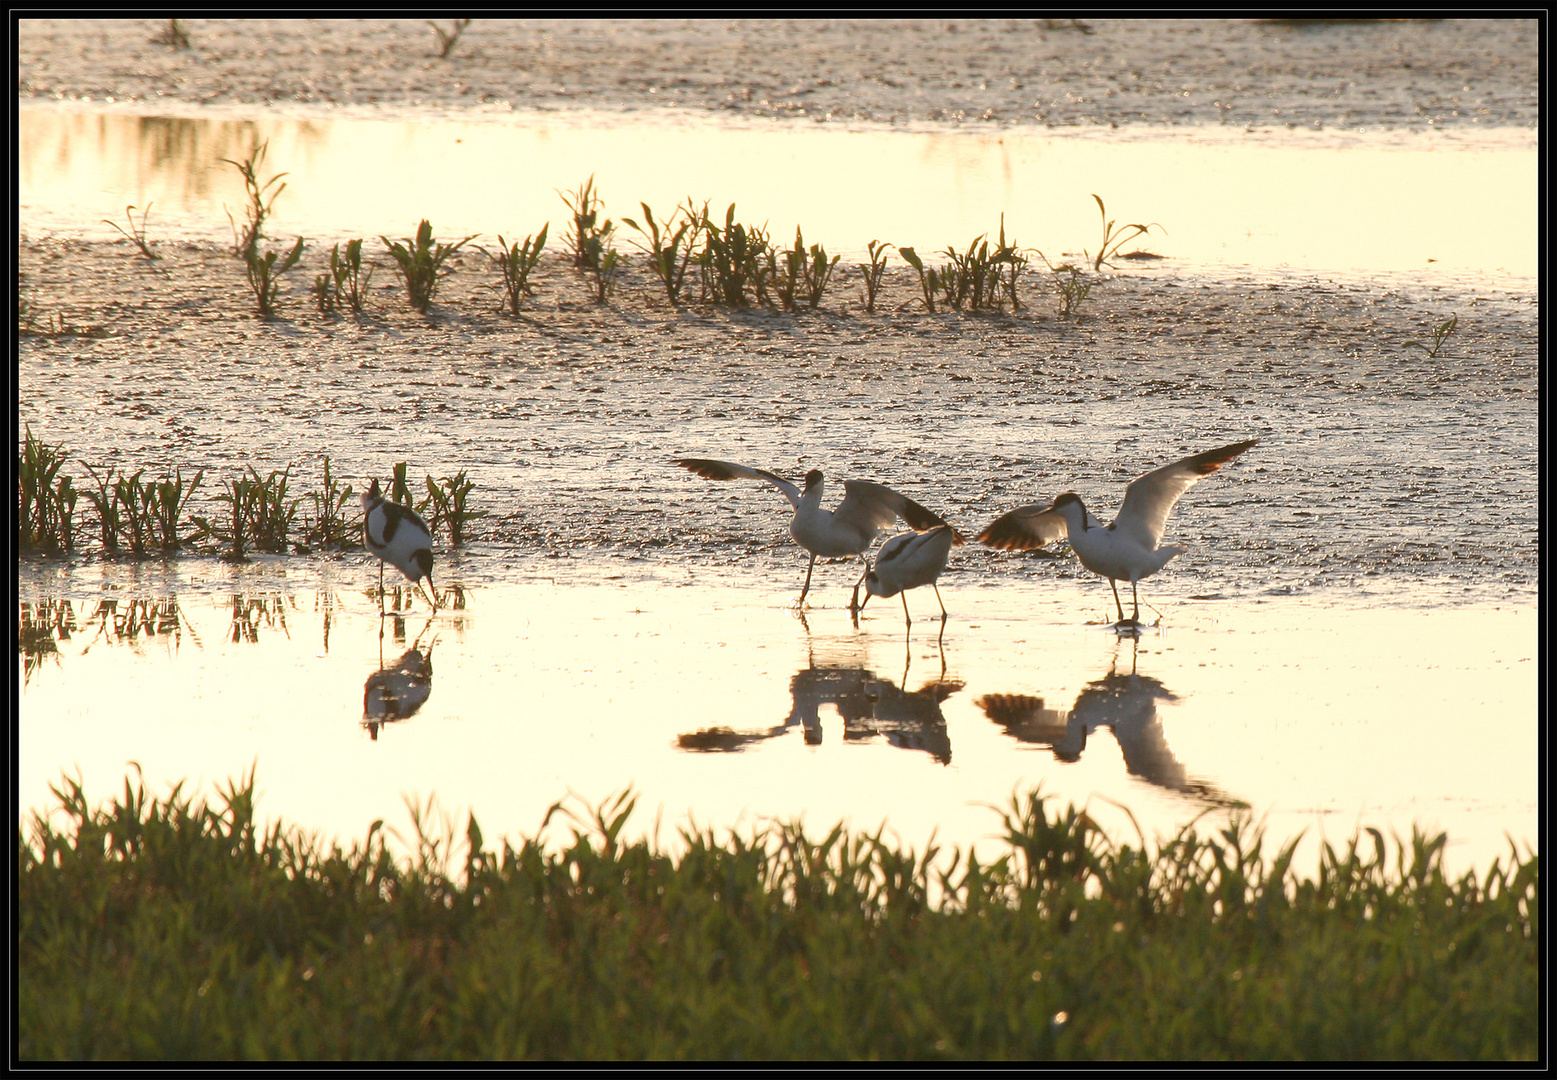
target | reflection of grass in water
x=165, y=927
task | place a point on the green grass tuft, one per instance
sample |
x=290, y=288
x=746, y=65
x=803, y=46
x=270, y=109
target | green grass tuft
x=156, y=929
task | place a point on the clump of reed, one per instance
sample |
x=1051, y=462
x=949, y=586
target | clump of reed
x=257, y=515
x=590, y=241
x=265, y=271
x=344, y=283
x=447, y=504
x=732, y=265
x=980, y=278
x=46, y=497
x=420, y=262
x=802, y=275
x=138, y=516
x=671, y=246
x=329, y=527
x=516, y=261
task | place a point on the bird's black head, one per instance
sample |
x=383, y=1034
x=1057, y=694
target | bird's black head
x=813, y=477
x=1069, y=497
x=424, y=563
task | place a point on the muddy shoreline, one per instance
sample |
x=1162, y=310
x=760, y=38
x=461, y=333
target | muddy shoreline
x=1377, y=466
x=1455, y=74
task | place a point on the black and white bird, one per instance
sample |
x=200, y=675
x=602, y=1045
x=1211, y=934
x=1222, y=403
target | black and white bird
x=908, y=561
x=867, y=508
x=398, y=536
x=1129, y=548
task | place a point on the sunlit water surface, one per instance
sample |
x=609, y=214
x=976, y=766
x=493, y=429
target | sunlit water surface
x=1440, y=206
x=708, y=696
x=699, y=687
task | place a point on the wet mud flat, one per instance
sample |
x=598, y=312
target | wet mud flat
x=1376, y=462
x=1240, y=73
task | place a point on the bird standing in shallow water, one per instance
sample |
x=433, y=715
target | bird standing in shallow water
x=908, y=561
x=867, y=508
x=398, y=536
x=1127, y=549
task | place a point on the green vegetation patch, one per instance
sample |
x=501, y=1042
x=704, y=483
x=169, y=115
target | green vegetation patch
x=166, y=929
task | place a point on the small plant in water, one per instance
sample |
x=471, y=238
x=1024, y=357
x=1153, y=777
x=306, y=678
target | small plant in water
x=973, y=279
x=670, y=245
x=1441, y=334
x=233, y=532
x=876, y=251
x=261, y=200
x=46, y=507
x=124, y=510
x=1113, y=238
x=1069, y=285
x=272, y=516
x=447, y=504
x=344, y=282
x=30, y=322
x=420, y=262
x=447, y=39
x=169, y=498
x=136, y=233
x=265, y=274
x=804, y=274
x=593, y=255
x=929, y=277
x=329, y=527
x=516, y=261
x=734, y=263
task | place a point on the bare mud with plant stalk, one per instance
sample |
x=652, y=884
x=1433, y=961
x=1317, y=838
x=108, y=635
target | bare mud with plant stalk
x=624, y=622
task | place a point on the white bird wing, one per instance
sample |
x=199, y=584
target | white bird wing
x=726, y=470
x=873, y=506
x=1025, y=528
x=1150, y=498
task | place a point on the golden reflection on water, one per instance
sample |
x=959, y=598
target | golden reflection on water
x=717, y=705
x=1336, y=202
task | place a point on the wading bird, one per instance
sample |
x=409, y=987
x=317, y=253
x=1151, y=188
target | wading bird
x=867, y=508
x=908, y=561
x=1127, y=549
x=398, y=536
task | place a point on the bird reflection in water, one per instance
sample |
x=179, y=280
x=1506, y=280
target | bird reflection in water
x=869, y=704
x=1126, y=704
x=396, y=691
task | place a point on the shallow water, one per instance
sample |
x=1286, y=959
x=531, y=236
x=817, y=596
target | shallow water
x=708, y=696
x=1342, y=203
x=1349, y=642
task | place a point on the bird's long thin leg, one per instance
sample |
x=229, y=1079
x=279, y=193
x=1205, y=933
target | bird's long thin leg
x=381, y=586
x=938, y=600
x=807, y=586
x=907, y=619
x=854, y=601
x=1136, y=599
x=1120, y=607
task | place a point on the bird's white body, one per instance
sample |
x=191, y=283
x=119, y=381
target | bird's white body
x=909, y=561
x=398, y=536
x=1130, y=548
x=849, y=530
